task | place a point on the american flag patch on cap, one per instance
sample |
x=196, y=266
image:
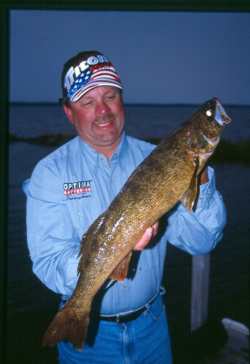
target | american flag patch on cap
x=95, y=71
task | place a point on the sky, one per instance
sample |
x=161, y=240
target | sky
x=162, y=57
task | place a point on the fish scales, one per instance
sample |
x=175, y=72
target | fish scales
x=164, y=178
x=139, y=207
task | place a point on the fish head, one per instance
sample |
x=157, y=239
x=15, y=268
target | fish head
x=207, y=125
x=212, y=118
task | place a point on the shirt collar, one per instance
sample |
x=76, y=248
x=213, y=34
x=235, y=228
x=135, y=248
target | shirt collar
x=94, y=157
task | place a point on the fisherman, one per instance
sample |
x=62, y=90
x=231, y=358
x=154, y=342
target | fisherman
x=73, y=185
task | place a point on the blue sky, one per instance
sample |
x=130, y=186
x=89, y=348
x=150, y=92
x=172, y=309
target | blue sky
x=162, y=57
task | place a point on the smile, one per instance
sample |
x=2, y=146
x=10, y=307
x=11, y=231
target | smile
x=104, y=124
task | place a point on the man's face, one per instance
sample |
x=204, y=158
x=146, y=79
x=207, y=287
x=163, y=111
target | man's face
x=98, y=118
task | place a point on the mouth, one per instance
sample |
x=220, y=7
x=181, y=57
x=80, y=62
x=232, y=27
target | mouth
x=221, y=116
x=211, y=141
x=104, y=122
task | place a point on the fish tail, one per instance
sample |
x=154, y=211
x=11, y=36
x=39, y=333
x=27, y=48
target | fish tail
x=67, y=325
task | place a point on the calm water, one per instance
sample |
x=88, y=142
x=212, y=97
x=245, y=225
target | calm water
x=142, y=121
x=229, y=295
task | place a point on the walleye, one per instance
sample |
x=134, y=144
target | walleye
x=170, y=174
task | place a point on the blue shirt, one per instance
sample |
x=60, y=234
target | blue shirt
x=72, y=186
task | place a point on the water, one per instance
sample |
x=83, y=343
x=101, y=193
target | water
x=142, y=121
x=229, y=294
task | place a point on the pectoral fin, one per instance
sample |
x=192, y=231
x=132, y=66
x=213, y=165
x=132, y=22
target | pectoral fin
x=190, y=197
x=121, y=271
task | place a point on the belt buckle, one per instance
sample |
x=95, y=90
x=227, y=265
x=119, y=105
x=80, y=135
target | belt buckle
x=117, y=319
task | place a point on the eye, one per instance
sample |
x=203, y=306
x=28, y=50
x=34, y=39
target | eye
x=111, y=96
x=86, y=102
x=209, y=113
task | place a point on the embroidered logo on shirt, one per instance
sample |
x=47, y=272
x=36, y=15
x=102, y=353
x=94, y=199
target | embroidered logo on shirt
x=77, y=189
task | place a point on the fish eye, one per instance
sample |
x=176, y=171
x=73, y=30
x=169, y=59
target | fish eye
x=209, y=113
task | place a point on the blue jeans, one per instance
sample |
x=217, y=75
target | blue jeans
x=141, y=341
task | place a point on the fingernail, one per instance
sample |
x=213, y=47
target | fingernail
x=149, y=232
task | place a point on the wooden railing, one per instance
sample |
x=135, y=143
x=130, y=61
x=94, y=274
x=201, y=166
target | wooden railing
x=199, y=290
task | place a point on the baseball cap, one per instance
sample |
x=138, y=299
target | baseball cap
x=86, y=71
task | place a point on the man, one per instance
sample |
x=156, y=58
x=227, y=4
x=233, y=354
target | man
x=73, y=185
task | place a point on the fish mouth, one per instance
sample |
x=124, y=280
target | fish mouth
x=221, y=116
x=213, y=142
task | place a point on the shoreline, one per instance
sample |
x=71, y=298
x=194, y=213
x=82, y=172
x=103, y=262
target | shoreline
x=226, y=152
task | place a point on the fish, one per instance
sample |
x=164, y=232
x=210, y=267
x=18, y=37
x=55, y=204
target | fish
x=169, y=175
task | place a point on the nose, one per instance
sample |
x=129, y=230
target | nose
x=102, y=108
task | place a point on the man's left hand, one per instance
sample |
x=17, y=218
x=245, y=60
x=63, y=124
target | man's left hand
x=148, y=235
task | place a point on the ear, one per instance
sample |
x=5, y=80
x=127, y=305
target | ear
x=68, y=112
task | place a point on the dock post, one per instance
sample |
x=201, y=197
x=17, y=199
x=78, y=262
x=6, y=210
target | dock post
x=199, y=290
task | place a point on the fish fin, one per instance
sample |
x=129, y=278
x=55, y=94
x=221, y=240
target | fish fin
x=121, y=270
x=67, y=325
x=190, y=197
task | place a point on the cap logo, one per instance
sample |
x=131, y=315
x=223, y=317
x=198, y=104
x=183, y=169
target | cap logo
x=96, y=70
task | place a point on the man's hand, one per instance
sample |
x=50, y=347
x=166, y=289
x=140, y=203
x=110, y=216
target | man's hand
x=147, y=236
x=151, y=232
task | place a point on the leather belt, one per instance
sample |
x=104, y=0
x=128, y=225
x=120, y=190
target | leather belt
x=124, y=318
x=127, y=317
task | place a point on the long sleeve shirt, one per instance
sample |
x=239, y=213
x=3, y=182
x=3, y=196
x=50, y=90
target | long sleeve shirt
x=72, y=186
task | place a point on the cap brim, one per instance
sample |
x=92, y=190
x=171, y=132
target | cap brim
x=93, y=84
